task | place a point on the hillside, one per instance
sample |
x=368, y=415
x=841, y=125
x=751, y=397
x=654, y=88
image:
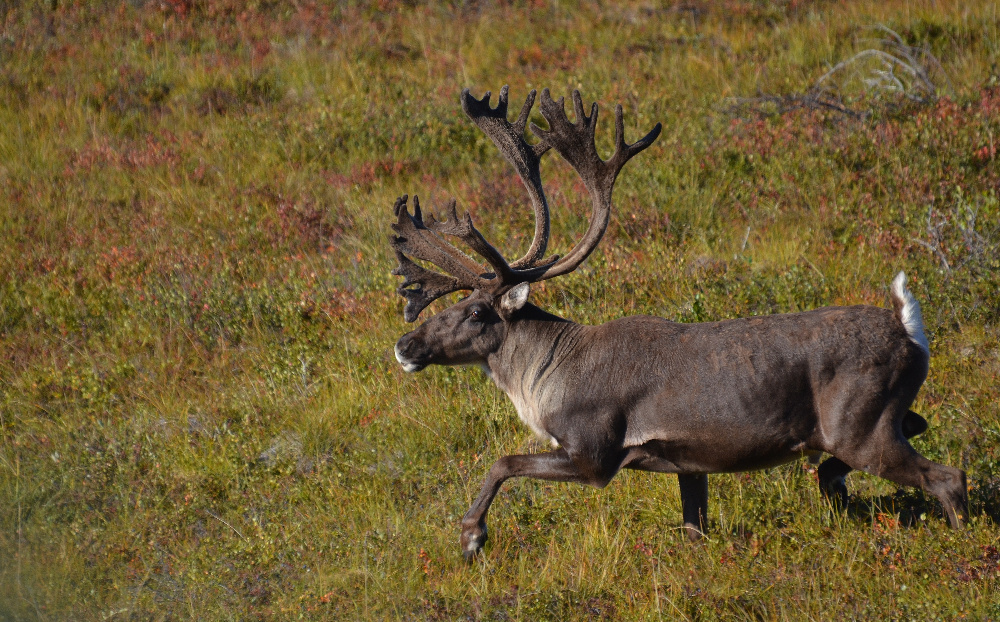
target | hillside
x=200, y=412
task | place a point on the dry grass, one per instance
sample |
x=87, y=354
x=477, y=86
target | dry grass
x=200, y=415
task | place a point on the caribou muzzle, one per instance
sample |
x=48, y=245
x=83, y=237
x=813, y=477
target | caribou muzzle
x=411, y=354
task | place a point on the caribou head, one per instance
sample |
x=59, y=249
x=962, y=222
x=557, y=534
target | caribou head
x=469, y=331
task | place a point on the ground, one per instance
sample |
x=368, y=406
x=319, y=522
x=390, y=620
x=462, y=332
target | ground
x=200, y=413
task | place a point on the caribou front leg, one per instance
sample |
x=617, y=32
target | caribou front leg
x=556, y=466
x=655, y=456
x=694, y=503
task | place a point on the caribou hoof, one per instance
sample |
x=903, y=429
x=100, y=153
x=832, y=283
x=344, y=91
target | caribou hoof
x=473, y=539
x=694, y=534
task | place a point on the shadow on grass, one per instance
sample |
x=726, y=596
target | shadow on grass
x=905, y=508
x=911, y=506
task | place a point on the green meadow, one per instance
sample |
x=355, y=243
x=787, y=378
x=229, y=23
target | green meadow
x=201, y=417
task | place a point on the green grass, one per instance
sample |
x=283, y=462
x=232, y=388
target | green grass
x=200, y=413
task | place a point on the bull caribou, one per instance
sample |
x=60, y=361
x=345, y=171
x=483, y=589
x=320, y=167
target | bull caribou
x=646, y=393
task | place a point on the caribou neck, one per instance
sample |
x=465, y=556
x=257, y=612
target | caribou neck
x=535, y=343
x=531, y=335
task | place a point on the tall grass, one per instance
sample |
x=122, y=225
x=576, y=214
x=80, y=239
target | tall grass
x=200, y=413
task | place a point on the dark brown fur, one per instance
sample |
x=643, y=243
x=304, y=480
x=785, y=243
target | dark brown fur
x=646, y=393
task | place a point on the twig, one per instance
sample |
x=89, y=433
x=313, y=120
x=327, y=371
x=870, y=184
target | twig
x=223, y=521
x=905, y=71
x=937, y=251
x=813, y=266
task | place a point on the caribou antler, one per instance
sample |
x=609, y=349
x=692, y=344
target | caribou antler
x=573, y=141
x=525, y=158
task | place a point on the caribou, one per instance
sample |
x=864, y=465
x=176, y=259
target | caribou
x=643, y=392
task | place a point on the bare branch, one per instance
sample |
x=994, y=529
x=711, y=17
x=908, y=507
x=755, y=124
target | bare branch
x=902, y=70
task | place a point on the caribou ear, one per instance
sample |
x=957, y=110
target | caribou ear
x=514, y=299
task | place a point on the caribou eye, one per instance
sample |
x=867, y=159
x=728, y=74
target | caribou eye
x=476, y=315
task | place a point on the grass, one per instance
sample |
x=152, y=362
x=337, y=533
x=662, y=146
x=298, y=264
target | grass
x=200, y=413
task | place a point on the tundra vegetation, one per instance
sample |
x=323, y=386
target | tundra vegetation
x=201, y=416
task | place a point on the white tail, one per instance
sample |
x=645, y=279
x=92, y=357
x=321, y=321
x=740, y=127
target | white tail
x=909, y=312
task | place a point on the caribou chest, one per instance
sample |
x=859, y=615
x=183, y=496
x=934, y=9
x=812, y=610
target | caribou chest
x=526, y=406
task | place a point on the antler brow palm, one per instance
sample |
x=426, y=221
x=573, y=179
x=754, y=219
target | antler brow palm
x=645, y=393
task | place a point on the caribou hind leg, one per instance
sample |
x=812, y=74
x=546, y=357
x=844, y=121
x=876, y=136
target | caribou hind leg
x=892, y=458
x=833, y=470
x=903, y=465
x=831, y=481
x=913, y=424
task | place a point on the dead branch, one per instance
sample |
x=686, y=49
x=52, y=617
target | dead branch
x=891, y=69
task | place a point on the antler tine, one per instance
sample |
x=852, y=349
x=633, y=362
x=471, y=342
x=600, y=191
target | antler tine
x=400, y=202
x=575, y=143
x=522, y=118
x=525, y=158
x=463, y=229
x=624, y=151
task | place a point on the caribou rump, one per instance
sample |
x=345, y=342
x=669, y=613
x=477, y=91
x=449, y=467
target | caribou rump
x=646, y=393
